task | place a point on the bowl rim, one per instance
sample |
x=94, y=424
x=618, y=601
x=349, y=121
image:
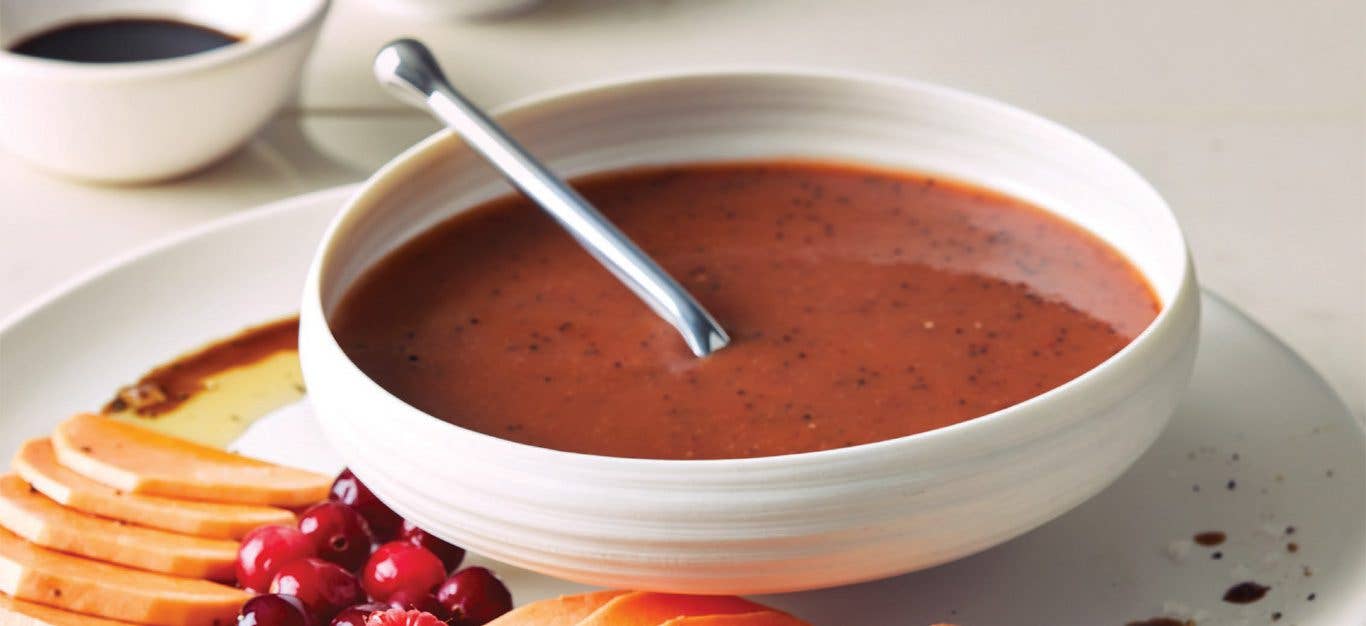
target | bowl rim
x=1184, y=294
x=309, y=17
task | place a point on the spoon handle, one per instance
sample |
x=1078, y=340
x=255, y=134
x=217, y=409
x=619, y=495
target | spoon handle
x=407, y=68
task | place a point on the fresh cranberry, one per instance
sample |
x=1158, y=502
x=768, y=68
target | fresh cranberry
x=339, y=534
x=401, y=566
x=273, y=610
x=349, y=490
x=323, y=587
x=474, y=596
x=409, y=601
x=400, y=617
x=358, y=614
x=264, y=550
x=450, y=554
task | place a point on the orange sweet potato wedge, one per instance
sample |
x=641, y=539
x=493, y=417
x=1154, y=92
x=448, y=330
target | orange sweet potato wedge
x=766, y=617
x=20, y=613
x=561, y=611
x=71, y=583
x=36, y=463
x=31, y=515
x=641, y=608
x=137, y=460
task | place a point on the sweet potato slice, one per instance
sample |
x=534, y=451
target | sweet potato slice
x=137, y=460
x=561, y=611
x=31, y=515
x=641, y=608
x=767, y=617
x=20, y=613
x=36, y=574
x=36, y=463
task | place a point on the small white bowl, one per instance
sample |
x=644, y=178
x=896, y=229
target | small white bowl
x=782, y=523
x=150, y=120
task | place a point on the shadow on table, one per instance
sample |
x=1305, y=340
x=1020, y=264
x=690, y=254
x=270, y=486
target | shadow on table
x=297, y=153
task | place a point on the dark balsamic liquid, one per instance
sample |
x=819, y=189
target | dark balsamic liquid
x=122, y=41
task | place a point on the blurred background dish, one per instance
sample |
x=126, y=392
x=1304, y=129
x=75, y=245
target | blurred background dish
x=138, y=121
x=447, y=9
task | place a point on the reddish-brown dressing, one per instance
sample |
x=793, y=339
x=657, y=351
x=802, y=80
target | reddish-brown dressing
x=167, y=386
x=1210, y=538
x=863, y=305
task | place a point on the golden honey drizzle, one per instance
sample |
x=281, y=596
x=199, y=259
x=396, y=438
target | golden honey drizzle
x=213, y=394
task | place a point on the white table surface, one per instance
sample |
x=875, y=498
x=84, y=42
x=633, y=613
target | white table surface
x=1248, y=115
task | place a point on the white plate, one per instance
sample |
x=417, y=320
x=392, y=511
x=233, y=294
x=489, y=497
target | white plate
x=1125, y=555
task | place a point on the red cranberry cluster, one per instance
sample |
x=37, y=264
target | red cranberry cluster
x=352, y=557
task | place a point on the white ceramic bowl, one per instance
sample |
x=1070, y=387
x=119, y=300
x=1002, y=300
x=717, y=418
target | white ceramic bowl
x=778, y=523
x=139, y=122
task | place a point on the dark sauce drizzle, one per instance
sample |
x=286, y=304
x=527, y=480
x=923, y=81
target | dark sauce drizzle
x=1210, y=538
x=166, y=387
x=1245, y=593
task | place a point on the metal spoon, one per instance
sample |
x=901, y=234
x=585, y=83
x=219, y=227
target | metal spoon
x=407, y=68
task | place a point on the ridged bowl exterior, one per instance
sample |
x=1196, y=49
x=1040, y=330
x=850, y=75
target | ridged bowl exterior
x=770, y=524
